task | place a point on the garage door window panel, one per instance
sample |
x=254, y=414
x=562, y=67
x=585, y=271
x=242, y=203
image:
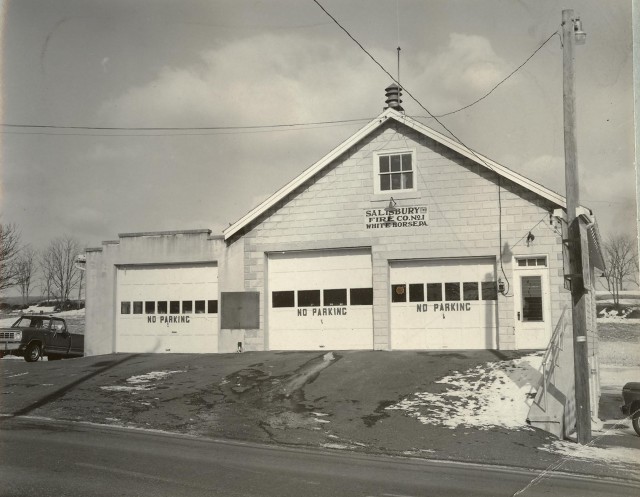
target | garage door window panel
x=162, y=307
x=470, y=291
x=174, y=307
x=283, y=299
x=212, y=306
x=125, y=307
x=150, y=307
x=308, y=298
x=361, y=296
x=398, y=293
x=434, y=292
x=489, y=290
x=416, y=292
x=452, y=291
x=200, y=308
x=335, y=296
x=137, y=307
x=187, y=306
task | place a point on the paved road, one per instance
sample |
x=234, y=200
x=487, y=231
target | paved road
x=48, y=458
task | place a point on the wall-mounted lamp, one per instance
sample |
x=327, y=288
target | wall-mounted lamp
x=391, y=208
x=530, y=238
x=501, y=286
x=580, y=36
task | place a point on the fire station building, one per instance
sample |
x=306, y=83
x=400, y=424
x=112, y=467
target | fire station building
x=399, y=238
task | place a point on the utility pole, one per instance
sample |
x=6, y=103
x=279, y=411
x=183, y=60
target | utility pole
x=572, y=33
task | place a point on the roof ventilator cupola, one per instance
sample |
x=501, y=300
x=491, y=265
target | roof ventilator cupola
x=393, y=93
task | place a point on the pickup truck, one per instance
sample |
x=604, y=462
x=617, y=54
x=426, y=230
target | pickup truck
x=34, y=336
x=631, y=406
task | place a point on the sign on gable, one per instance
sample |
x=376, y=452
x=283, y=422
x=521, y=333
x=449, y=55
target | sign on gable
x=399, y=217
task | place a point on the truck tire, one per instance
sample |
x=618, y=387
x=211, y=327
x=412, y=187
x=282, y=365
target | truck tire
x=635, y=417
x=33, y=352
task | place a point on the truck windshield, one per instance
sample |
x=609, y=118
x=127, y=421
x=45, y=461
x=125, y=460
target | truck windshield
x=32, y=322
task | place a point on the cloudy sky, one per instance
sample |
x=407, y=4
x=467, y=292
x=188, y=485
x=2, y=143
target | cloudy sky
x=214, y=63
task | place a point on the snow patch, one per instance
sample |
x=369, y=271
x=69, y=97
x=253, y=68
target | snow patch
x=149, y=377
x=319, y=417
x=36, y=309
x=610, y=455
x=72, y=312
x=336, y=446
x=494, y=394
x=140, y=383
x=124, y=388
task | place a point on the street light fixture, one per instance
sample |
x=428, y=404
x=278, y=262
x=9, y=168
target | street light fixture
x=581, y=36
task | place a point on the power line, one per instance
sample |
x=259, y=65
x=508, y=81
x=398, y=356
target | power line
x=251, y=127
x=175, y=128
x=212, y=132
x=269, y=126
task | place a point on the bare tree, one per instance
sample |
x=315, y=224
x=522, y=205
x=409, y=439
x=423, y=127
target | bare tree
x=25, y=271
x=621, y=260
x=46, y=281
x=9, y=249
x=58, y=265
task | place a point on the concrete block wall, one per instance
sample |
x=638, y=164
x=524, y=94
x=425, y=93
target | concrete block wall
x=462, y=198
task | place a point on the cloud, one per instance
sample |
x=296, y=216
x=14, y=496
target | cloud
x=265, y=79
x=461, y=72
x=260, y=80
x=85, y=220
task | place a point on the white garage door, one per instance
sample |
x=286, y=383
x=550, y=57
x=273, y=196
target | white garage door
x=443, y=304
x=167, y=309
x=320, y=300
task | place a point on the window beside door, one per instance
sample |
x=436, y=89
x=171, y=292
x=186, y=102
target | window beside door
x=531, y=290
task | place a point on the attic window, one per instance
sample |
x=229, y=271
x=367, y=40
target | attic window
x=394, y=171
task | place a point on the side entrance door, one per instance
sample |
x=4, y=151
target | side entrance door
x=532, y=304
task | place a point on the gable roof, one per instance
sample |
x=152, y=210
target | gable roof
x=365, y=131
